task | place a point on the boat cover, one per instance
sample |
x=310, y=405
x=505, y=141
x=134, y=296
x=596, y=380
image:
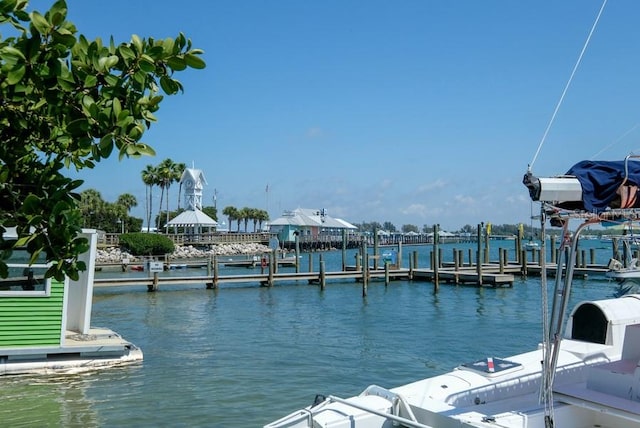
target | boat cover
x=601, y=181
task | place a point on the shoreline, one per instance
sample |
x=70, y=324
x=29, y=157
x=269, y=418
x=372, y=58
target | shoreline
x=116, y=255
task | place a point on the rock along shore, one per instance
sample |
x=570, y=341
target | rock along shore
x=115, y=255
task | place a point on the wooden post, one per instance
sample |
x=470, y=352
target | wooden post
x=310, y=262
x=592, y=256
x=501, y=254
x=479, y=254
x=358, y=262
x=386, y=273
x=344, y=250
x=322, y=274
x=375, y=248
x=297, y=253
x=486, y=245
x=399, y=255
x=436, y=262
x=271, y=263
x=523, y=263
x=415, y=259
x=454, y=255
x=215, y=271
x=365, y=275
x=154, y=287
x=410, y=268
x=275, y=261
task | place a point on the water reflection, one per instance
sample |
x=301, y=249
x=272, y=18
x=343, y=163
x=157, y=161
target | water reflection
x=47, y=401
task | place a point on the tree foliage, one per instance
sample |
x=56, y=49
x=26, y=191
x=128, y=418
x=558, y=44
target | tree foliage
x=66, y=101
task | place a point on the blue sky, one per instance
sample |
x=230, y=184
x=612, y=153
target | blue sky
x=413, y=112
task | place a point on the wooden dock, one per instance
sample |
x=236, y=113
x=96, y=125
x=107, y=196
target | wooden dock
x=265, y=279
x=466, y=276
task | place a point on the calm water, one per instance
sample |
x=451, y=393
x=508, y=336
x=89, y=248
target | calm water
x=243, y=356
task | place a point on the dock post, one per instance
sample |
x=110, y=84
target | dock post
x=479, y=254
x=400, y=255
x=501, y=256
x=486, y=242
x=386, y=273
x=436, y=258
x=415, y=259
x=297, y=253
x=215, y=272
x=344, y=249
x=410, y=268
x=209, y=266
x=272, y=262
x=154, y=286
x=310, y=262
x=376, y=248
x=322, y=274
x=365, y=275
x=523, y=263
x=592, y=256
x=456, y=262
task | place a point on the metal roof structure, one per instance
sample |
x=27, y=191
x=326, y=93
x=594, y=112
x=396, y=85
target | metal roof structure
x=306, y=217
x=192, y=218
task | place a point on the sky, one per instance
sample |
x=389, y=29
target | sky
x=412, y=112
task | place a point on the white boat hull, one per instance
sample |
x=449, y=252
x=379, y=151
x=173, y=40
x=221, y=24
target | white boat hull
x=589, y=389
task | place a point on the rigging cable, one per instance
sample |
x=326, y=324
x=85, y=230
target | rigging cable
x=623, y=136
x=566, y=88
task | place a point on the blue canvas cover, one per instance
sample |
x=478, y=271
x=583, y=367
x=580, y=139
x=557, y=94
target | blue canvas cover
x=601, y=179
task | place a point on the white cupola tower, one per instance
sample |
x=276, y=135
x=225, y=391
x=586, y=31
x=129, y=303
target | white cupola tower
x=193, y=181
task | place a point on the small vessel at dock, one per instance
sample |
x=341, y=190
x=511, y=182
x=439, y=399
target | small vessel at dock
x=586, y=374
x=45, y=324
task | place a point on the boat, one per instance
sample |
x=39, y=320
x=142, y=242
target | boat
x=531, y=245
x=45, y=324
x=620, y=272
x=585, y=373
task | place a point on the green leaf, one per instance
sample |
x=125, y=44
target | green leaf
x=78, y=126
x=177, y=63
x=126, y=52
x=194, y=61
x=168, y=85
x=117, y=107
x=40, y=23
x=16, y=75
x=137, y=43
x=90, y=81
x=11, y=54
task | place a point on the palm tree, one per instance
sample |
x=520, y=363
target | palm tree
x=91, y=206
x=168, y=172
x=244, y=215
x=127, y=201
x=231, y=213
x=261, y=218
x=150, y=179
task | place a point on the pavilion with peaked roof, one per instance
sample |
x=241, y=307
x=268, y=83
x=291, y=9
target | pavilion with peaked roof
x=311, y=224
x=193, y=220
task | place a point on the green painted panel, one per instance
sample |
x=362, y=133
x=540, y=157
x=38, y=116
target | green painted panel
x=29, y=321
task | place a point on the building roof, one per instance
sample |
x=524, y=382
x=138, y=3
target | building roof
x=192, y=218
x=310, y=217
